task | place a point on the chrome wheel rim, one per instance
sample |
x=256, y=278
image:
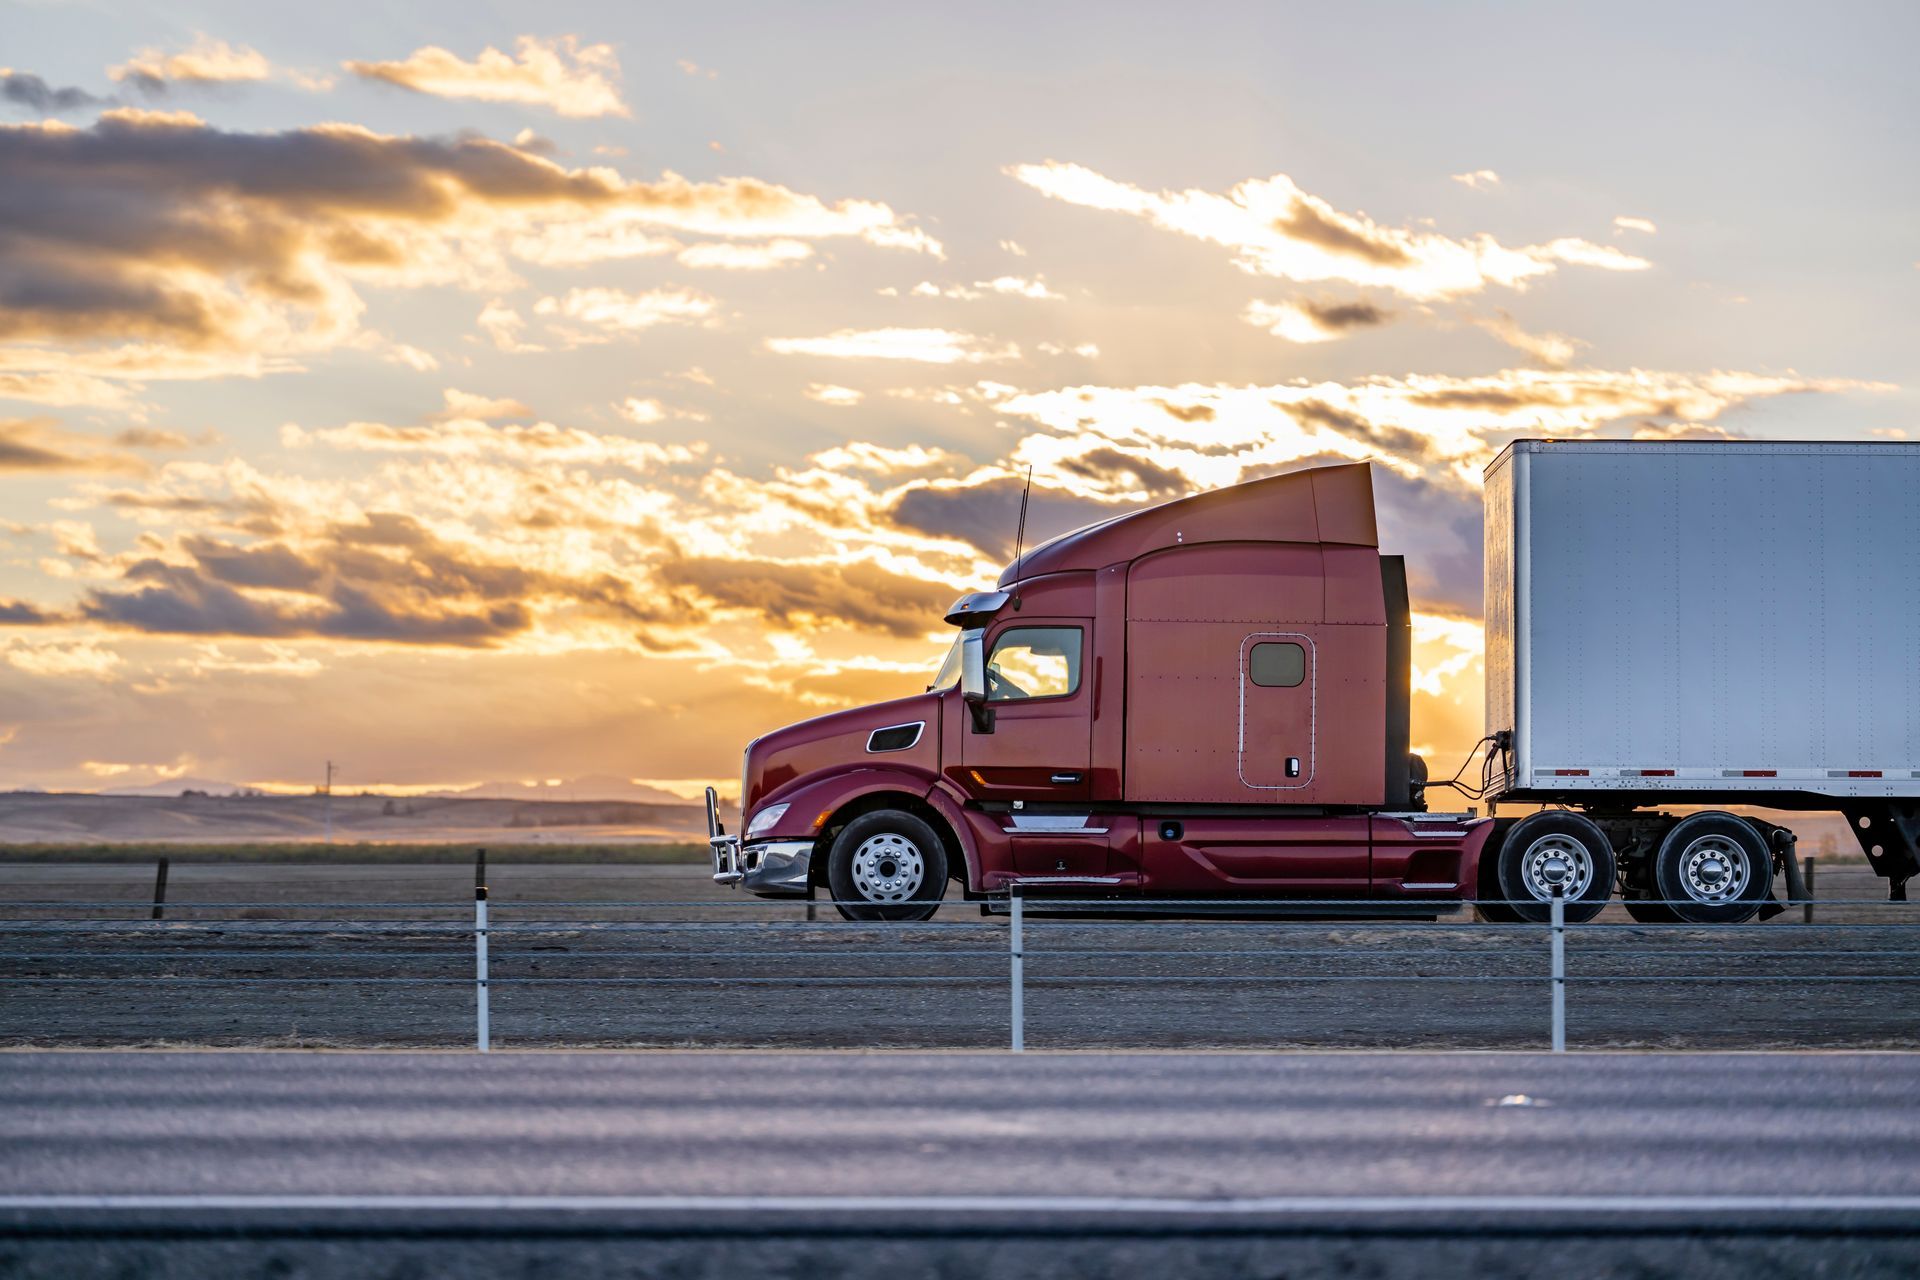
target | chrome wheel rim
x=1557, y=859
x=1714, y=869
x=888, y=868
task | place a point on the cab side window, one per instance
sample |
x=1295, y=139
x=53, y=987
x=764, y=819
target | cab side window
x=1034, y=662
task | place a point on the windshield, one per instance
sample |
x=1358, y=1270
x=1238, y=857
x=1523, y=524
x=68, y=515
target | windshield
x=949, y=673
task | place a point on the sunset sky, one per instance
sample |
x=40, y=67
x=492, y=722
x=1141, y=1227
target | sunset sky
x=472, y=392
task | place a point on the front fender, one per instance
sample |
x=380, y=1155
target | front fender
x=810, y=802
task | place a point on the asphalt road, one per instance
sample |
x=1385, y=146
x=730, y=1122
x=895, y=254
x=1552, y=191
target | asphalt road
x=891, y=1163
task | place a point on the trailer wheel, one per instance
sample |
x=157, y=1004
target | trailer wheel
x=1713, y=868
x=1548, y=845
x=887, y=865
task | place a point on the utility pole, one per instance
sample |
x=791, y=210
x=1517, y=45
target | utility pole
x=326, y=802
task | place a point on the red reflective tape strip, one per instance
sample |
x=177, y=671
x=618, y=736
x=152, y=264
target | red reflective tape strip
x=1863, y=773
x=1569, y=773
x=1656, y=773
x=1759, y=773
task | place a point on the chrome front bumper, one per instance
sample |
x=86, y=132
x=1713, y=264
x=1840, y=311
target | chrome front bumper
x=771, y=868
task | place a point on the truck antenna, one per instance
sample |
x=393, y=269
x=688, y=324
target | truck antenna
x=1020, y=534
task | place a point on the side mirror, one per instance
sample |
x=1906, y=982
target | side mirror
x=973, y=678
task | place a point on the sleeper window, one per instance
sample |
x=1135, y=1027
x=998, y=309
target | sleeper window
x=1277, y=664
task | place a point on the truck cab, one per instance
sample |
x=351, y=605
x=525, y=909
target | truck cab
x=1205, y=700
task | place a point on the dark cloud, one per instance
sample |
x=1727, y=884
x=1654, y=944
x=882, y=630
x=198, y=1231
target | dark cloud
x=1437, y=528
x=1341, y=316
x=1114, y=469
x=272, y=565
x=385, y=577
x=1187, y=412
x=794, y=594
x=1399, y=440
x=25, y=89
x=1318, y=226
x=18, y=613
x=987, y=514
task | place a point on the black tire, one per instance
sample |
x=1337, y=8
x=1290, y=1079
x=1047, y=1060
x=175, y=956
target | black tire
x=1519, y=874
x=873, y=873
x=1708, y=848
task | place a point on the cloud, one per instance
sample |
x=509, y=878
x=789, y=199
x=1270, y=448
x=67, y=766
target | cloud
x=503, y=325
x=745, y=257
x=643, y=413
x=1013, y=286
x=827, y=393
x=1478, y=179
x=1276, y=229
x=41, y=444
x=207, y=61
x=61, y=660
x=1306, y=321
x=384, y=578
x=205, y=253
x=470, y=426
x=23, y=88
x=1625, y=223
x=806, y=594
x=1439, y=426
x=693, y=68
x=151, y=438
x=928, y=346
x=1554, y=350
x=465, y=404
x=562, y=75
x=615, y=309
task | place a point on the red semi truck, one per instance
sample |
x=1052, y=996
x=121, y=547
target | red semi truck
x=1203, y=708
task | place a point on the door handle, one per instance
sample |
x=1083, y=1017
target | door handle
x=1065, y=779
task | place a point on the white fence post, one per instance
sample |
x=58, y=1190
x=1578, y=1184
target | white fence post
x=1559, y=928
x=1019, y=978
x=482, y=1032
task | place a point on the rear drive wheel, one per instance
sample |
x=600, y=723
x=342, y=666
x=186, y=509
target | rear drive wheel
x=1713, y=868
x=1548, y=847
x=887, y=866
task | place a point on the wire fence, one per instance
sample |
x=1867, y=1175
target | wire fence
x=1020, y=945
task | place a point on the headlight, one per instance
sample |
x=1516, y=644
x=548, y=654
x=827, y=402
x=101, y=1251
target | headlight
x=763, y=821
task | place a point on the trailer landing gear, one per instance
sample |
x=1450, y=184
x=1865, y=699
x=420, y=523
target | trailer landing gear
x=1889, y=834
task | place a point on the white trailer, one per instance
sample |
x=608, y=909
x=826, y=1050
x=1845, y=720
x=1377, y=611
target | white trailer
x=1706, y=623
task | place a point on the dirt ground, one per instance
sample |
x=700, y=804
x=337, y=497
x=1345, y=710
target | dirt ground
x=359, y=956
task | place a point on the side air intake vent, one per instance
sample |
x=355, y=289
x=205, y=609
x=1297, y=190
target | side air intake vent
x=897, y=737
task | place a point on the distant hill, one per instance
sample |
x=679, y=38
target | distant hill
x=44, y=817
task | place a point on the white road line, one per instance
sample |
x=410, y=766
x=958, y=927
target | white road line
x=987, y=1204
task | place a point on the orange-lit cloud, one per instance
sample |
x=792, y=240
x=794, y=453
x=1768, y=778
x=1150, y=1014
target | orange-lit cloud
x=43, y=445
x=1276, y=229
x=561, y=75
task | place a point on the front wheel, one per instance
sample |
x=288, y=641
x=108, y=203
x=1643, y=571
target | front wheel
x=1554, y=847
x=887, y=866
